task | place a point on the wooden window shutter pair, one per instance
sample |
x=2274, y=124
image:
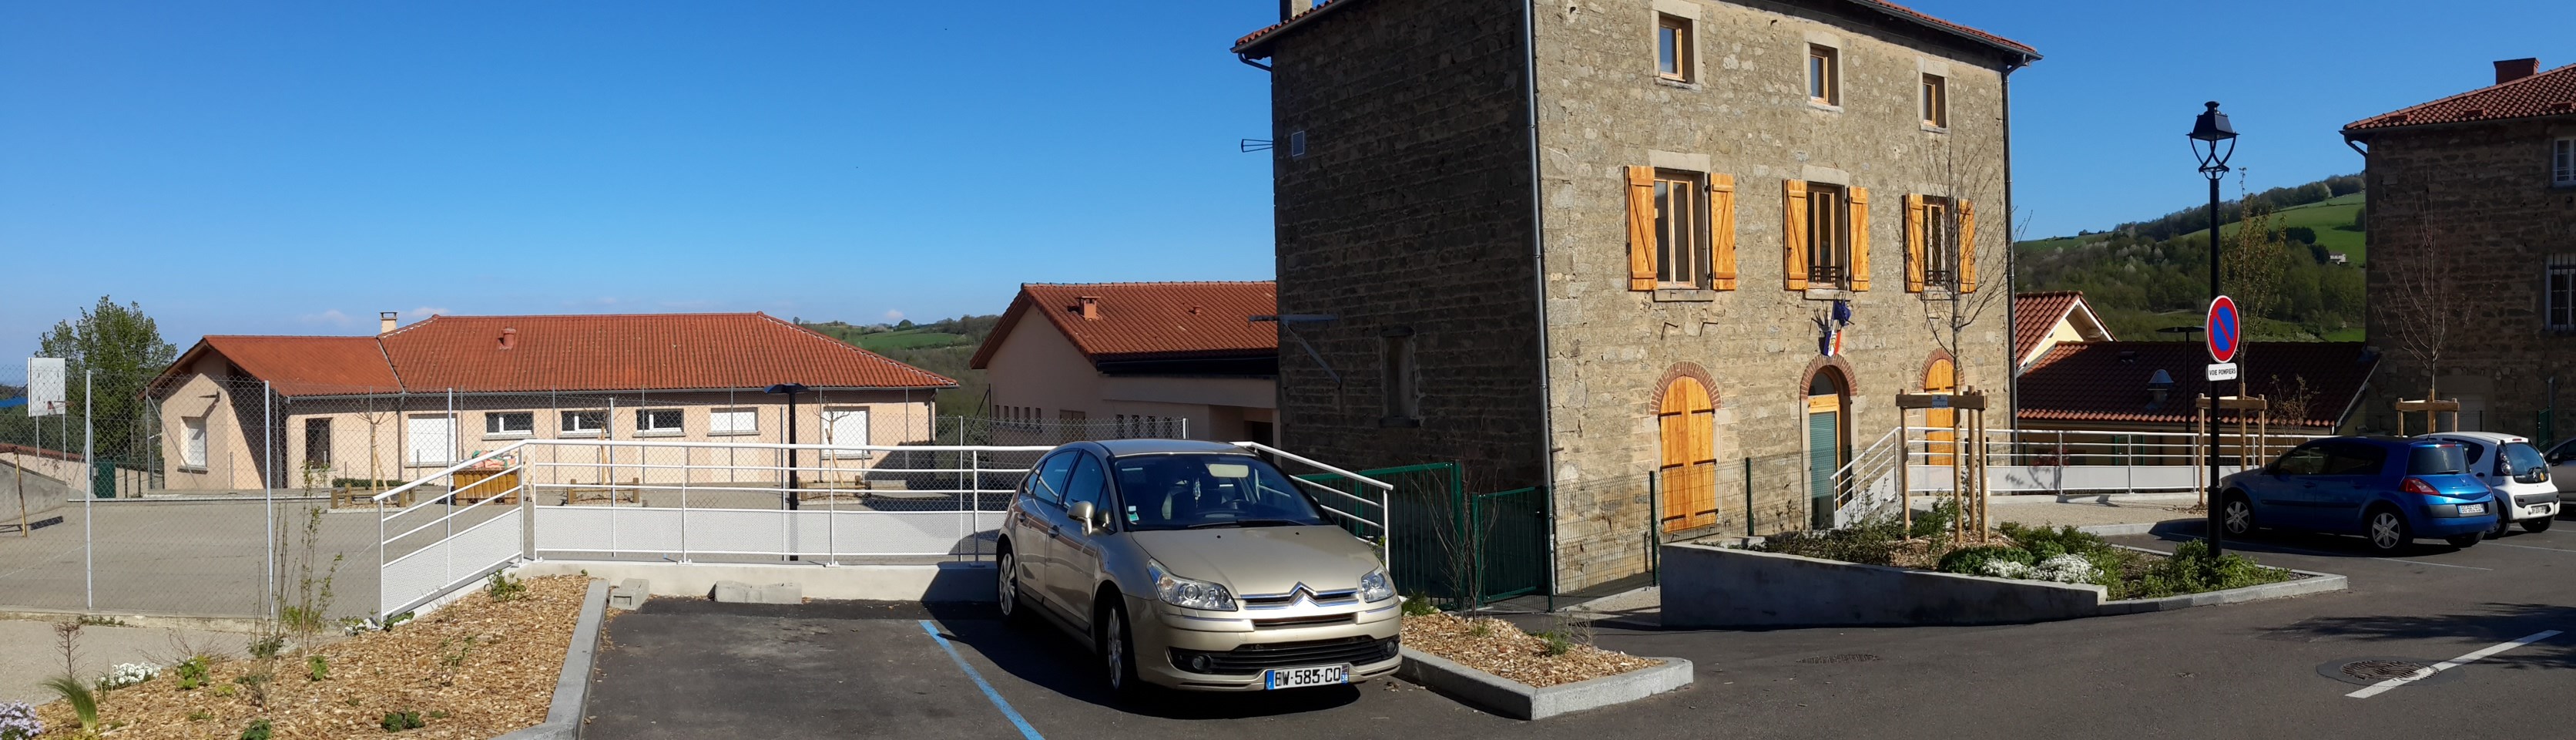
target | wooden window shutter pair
x=1721, y=231
x=1915, y=249
x=1794, y=219
x=1641, y=228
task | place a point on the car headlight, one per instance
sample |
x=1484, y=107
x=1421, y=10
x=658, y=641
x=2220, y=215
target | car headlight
x=1188, y=593
x=1375, y=586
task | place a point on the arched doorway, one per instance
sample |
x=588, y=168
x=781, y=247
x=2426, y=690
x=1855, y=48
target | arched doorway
x=1940, y=377
x=1828, y=426
x=1687, y=422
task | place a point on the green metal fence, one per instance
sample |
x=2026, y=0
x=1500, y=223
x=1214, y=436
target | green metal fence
x=1511, y=549
x=1448, y=544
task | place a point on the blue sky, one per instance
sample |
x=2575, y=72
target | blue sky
x=273, y=167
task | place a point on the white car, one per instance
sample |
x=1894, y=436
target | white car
x=2517, y=472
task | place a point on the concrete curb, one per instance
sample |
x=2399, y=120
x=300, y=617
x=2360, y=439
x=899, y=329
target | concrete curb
x=1523, y=701
x=2310, y=582
x=2113, y=498
x=572, y=688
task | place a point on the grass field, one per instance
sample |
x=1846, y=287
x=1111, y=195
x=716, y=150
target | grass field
x=2331, y=218
x=909, y=339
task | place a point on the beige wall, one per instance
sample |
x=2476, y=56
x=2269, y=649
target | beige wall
x=1037, y=367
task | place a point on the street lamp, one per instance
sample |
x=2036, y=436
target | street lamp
x=2208, y=133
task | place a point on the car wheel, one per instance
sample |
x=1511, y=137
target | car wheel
x=1006, y=590
x=2387, y=532
x=2465, y=541
x=2537, y=525
x=1118, y=653
x=2503, y=525
x=2237, y=516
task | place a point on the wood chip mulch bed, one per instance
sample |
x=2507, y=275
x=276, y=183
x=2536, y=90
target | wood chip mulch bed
x=1508, y=652
x=473, y=669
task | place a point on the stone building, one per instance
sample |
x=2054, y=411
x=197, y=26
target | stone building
x=1671, y=259
x=2472, y=228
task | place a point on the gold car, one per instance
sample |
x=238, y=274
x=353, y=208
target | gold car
x=1195, y=566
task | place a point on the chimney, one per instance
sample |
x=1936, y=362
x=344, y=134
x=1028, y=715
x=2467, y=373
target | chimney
x=385, y=323
x=1292, y=8
x=2514, y=69
x=509, y=338
x=1091, y=308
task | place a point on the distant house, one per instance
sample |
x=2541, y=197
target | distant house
x=411, y=400
x=1135, y=360
x=2472, y=226
x=2042, y=321
x=2149, y=386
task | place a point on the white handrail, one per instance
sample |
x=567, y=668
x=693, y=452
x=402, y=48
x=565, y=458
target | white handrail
x=1382, y=485
x=452, y=469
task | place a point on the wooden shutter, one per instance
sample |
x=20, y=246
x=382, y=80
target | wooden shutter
x=1721, y=231
x=1794, y=231
x=1914, y=246
x=1641, y=228
x=1967, y=246
x=1859, y=238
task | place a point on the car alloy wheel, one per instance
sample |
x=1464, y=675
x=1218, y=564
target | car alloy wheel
x=1006, y=593
x=2387, y=531
x=2238, y=517
x=1114, y=654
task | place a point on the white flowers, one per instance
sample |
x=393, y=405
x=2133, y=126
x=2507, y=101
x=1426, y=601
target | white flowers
x=127, y=674
x=2060, y=569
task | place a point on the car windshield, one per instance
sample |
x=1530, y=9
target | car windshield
x=1196, y=491
x=2439, y=459
x=2521, y=458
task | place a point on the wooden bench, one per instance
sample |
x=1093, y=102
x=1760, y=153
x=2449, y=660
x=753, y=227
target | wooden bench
x=607, y=492
x=345, y=498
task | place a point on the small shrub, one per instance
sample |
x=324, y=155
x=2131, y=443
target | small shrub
x=438, y=714
x=1420, y=605
x=2064, y=569
x=2000, y=568
x=457, y=658
x=18, y=721
x=200, y=715
x=2054, y=541
x=400, y=721
x=504, y=588
x=126, y=674
x=268, y=646
x=1936, y=521
x=103, y=622
x=1972, y=560
x=1557, y=643
x=315, y=669
x=1480, y=628
x=84, y=704
x=255, y=683
x=192, y=672
x=225, y=690
x=1875, y=542
x=259, y=729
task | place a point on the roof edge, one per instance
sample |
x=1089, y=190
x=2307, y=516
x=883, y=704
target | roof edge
x=2350, y=129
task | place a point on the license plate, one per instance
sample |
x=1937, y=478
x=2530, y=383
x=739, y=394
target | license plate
x=2467, y=509
x=1289, y=678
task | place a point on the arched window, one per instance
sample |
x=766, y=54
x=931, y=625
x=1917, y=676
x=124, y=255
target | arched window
x=1687, y=421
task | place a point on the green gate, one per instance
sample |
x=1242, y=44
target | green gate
x=1447, y=543
x=1511, y=552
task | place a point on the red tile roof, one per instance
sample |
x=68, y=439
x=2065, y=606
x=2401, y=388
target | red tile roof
x=2036, y=314
x=2107, y=381
x=1150, y=321
x=2551, y=93
x=1249, y=43
x=615, y=352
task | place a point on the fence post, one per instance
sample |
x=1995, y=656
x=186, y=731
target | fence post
x=684, y=499
x=380, y=562
x=268, y=487
x=89, y=457
x=1748, y=495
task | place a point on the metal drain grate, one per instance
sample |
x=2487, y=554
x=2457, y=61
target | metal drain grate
x=2381, y=670
x=1843, y=658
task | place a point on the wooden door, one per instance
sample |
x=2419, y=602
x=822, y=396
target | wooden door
x=1941, y=443
x=1688, y=424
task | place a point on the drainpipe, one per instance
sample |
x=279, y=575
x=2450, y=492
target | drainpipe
x=1538, y=281
x=2012, y=318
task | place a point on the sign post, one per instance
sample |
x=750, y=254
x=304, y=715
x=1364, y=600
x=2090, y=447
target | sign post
x=2223, y=334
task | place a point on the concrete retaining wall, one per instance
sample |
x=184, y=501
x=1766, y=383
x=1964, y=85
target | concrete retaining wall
x=44, y=494
x=1715, y=587
x=941, y=582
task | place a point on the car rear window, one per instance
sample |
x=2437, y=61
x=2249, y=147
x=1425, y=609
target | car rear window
x=2443, y=459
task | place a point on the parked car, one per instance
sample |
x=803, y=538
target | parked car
x=2562, y=466
x=2389, y=490
x=1194, y=566
x=2518, y=474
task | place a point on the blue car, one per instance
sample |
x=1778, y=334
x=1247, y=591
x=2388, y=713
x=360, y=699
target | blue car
x=2389, y=490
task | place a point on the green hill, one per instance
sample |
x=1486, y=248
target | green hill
x=2146, y=275
x=945, y=347
x=2331, y=219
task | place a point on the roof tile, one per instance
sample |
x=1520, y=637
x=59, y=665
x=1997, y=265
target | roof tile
x=2551, y=93
x=1184, y=320
x=2107, y=381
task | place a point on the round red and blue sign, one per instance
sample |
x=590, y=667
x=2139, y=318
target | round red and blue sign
x=2223, y=332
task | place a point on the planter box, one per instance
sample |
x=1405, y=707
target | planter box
x=1716, y=587
x=1522, y=701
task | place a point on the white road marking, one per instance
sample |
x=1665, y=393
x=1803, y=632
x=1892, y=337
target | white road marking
x=2427, y=672
x=2531, y=547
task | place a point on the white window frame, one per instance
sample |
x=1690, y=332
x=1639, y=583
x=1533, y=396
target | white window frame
x=646, y=424
x=831, y=418
x=416, y=440
x=496, y=425
x=2558, y=294
x=597, y=426
x=192, y=442
x=725, y=422
x=2562, y=163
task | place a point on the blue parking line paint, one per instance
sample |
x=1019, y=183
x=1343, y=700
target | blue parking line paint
x=1031, y=733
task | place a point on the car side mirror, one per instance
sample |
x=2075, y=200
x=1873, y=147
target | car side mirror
x=1087, y=514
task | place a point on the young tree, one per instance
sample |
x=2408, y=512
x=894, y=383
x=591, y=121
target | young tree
x=124, y=349
x=2424, y=305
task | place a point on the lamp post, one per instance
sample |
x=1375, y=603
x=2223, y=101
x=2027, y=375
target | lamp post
x=2208, y=134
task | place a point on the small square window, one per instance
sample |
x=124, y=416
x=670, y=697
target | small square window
x=658, y=421
x=2561, y=313
x=509, y=423
x=732, y=421
x=1824, y=75
x=584, y=423
x=1673, y=48
x=1936, y=101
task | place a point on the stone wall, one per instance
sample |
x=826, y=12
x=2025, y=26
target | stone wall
x=2485, y=191
x=1409, y=211
x=1746, y=115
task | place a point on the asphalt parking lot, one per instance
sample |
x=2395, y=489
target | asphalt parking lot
x=688, y=669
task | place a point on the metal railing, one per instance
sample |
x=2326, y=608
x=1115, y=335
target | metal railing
x=2051, y=461
x=686, y=502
